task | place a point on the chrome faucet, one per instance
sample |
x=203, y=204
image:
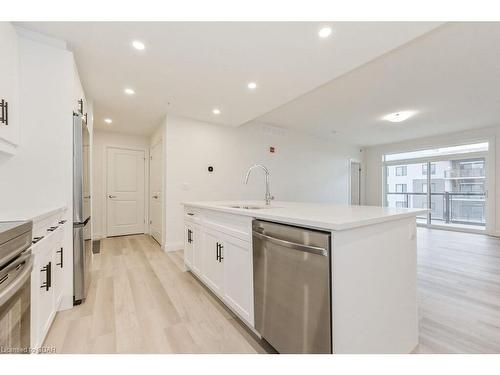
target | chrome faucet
x=269, y=197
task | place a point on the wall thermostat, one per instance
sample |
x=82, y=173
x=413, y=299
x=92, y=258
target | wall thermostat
x=210, y=169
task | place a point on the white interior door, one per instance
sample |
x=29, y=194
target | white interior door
x=125, y=191
x=156, y=199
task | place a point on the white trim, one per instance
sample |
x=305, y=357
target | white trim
x=361, y=195
x=451, y=228
x=41, y=38
x=105, y=184
x=431, y=159
x=174, y=246
x=162, y=233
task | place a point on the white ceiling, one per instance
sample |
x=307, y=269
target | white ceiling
x=451, y=76
x=198, y=66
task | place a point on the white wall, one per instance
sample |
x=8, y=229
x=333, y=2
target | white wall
x=100, y=141
x=38, y=178
x=373, y=164
x=304, y=168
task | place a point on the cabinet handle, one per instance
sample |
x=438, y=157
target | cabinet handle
x=5, y=112
x=36, y=239
x=190, y=240
x=220, y=253
x=48, y=276
x=217, y=252
x=60, y=252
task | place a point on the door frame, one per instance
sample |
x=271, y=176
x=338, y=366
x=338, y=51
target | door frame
x=159, y=141
x=349, y=170
x=105, y=184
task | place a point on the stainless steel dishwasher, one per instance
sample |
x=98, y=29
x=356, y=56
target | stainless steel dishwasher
x=292, y=299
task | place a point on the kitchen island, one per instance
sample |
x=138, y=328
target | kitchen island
x=373, y=266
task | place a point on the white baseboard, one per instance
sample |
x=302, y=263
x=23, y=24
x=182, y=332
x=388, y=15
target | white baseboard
x=98, y=236
x=174, y=246
x=496, y=233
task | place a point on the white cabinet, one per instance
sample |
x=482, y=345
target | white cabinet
x=238, y=276
x=218, y=250
x=47, y=281
x=193, y=247
x=58, y=254
x=212, y=261
x=42, y=293
x=188, y=245
x=9, y=91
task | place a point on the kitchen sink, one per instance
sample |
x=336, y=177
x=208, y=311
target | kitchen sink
x=249, y=206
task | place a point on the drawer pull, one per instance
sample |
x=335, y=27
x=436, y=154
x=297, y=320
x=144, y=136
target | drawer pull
x=36, y=239
x=60, y=264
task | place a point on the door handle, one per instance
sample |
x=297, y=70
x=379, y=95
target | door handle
x=155, y=196
x=111, y=196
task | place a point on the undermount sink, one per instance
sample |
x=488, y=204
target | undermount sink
x=248, y=206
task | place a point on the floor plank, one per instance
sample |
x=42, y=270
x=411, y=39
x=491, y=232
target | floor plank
x=142, y=300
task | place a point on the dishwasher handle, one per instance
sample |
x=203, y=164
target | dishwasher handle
x=292, y=245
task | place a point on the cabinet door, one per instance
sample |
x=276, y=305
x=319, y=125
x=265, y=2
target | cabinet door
x=238, y=277
x=9, y=133
x=188, y=245
x=43, y=310
x=213, y=269
x=197, y=247
x=58, y=265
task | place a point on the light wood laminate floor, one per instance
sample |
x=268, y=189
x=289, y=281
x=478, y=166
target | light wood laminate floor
x=142, y=300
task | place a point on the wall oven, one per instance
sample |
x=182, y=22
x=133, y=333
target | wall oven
x=15, y=286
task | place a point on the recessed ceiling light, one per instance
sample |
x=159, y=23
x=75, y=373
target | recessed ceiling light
x=398, y=116
x=138, y=45
x=325, y=32
x=129, y=91
x=252, y=85
x=108, y=120
x=216, y=111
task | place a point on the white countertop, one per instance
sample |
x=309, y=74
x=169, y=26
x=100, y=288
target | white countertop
x=315, y=215
x=34, y=215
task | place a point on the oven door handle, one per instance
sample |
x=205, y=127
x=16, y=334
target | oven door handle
x=17, y=284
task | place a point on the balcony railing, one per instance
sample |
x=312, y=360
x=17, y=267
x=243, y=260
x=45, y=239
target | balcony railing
x=464, y=173
x=454, y=208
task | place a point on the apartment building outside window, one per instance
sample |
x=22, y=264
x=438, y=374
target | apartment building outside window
x=454, y=191
x=401, y=171
x=424, y=169
x=401, y=188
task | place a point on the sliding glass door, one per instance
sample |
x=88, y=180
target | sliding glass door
x=458, y=193
x=452, y=186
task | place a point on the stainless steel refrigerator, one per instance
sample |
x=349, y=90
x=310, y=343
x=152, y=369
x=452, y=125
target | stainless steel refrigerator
x=82, y=243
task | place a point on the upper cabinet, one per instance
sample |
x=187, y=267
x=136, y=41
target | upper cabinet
x=9, y=89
